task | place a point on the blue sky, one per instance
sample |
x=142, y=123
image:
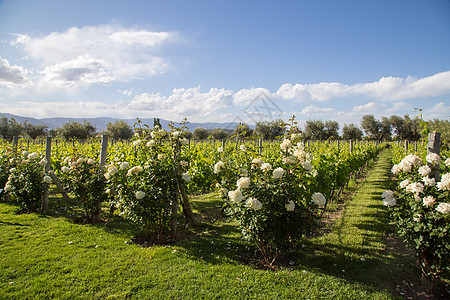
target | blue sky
x=225, y=60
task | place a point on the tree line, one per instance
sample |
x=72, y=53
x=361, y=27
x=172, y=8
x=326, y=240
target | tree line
x=384, y=129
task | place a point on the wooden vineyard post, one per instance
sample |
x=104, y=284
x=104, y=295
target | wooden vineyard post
x=223, y=144
x=260, y=146
x=351, y=146
x=103, y=154
x=406, y=146
x=48, y=153
x=15, y=143
x=434, y=142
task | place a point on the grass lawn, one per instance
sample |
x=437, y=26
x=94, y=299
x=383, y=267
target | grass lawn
x=50, y=256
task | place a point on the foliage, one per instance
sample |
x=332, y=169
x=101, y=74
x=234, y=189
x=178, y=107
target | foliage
x=85, y=179
x=243, y=131
x=34, y=131
x=406, y=128
x=270, y=199
x=269, y=130
x=27, y=180
x=10, y=128
x=375, y=129
x=200, y=133
x=76, y=130
x=319, y=130
x=351, y=132
x=219, y=134
x=421, y=210
x=148, y=187
x=119, y=130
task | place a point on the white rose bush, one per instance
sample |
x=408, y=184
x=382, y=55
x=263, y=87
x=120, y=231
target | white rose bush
x=420, y=210
x=270, y=197
x=84, y=179
x=148, y=186
x=26, y=179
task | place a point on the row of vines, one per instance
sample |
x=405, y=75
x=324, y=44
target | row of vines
x=276, y=195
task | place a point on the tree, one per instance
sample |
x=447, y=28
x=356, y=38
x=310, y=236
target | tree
x=33, y=131
x=200, y=133
x=219, y=134
x=76, y=130
x=318, y=130
x=406, y=128
x=351, y=132
x=242, y=130
x=10, y=128
x=119, y=130
x=331, y=130
x=375, y=129
x=269, y=130
x=314, y=130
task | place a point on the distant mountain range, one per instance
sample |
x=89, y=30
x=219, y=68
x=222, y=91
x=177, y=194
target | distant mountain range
x=101, y=122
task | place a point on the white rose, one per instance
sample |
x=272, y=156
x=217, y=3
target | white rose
x=139, y=195
x=447, y=162
x=290, y=206
x=433, y=159
x=389, y=202
x=218, y=166
x=286, y=144
x=307, y=166
x=257, y=162
x=125, y=165
x=151, y=143
x=429, y=201
x=112, y=170
x=388, y=194
x=404, y=183
x=235, y=196
x=107, y=176
x=32, y=156
x=47, y=179
x=424, y=170
x=8, y=187
x=243, y=182
x=80, y=161
x=443, y=208
x=266, y=167
x=429, y=181
x=186, y=177
x=137, y=143
x=25, y=154
x=220, y=149
x=91, y=161
x=243, y=148
x=289, y=160
x=254, y=204
x=278, y=173
x=65, y=169
x=161, y=156
x=444, y=184
x=319, y=199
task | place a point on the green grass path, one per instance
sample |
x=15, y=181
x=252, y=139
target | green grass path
x=49, y=256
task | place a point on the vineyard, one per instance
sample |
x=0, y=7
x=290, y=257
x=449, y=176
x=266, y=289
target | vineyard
x=164, y=217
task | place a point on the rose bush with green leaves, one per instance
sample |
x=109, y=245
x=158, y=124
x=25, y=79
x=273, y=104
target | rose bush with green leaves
x=269, y=197
x=85, y=179
x=27, y=180
x=148, y=188
x=420, y=208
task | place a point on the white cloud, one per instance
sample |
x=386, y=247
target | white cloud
x=385, y=89
x=12, y=76
x=246, y=96
x=317, y=111
x=182, y=102
x=83, y=56
x=438, y=111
